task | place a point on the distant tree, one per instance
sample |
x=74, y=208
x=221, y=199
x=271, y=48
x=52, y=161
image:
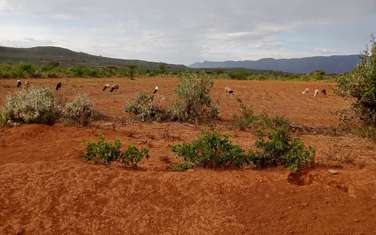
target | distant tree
x=132, y=70
x=361, y=84
x=317, y=75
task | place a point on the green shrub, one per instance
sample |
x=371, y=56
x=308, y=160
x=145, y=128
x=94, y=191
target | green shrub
x=77, y=71
x=132, y=156
x=34, y=105
x=361, y=84
x=80, y=110
x=193, y=102
x=279, y=148
x=102, y=151
x=25, y=70
x=211, y=150
x=106, y=153
x=144, y=109
x=314, y=76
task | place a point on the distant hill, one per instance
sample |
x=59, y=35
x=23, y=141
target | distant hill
x=327, y=64
x=66, y=57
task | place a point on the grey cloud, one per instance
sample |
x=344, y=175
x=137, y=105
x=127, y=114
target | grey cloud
x=186, y=31
x=28, y=42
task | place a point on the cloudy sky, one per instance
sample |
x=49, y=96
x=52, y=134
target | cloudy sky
x=187, y=31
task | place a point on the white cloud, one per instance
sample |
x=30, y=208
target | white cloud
x=4, y=6
x=326, y=51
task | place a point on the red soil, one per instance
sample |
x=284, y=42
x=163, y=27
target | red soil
x=46, y=188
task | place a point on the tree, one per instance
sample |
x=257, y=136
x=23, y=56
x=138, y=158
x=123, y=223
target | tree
x=132, y=69
x=361, y=84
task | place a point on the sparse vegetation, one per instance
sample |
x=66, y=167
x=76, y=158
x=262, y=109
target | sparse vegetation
x=367, y=132
x=193, y=102
x=132, y=156
x=248, y=74
x=106, y=153
x=265, y=122
x=35, y=105
x=40, y=105
x=248, y=119
x=143, y=108
x=274, y=148
x=55, y=69
x=80, y=110
x=277, y=147
x=211, y=150
x=102, y=151
x=275, y=144
x=316, y=75
x=184, y=166
x=239, y=75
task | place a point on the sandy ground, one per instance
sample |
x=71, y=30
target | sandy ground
x=46, y=189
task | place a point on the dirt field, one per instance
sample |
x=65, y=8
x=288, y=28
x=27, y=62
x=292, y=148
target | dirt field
x=46, y=189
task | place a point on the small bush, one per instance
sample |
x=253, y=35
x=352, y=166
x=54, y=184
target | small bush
x=80, y=110
x=211, y=150
x=144, y=109
x=106, y=153
x=132, y=156
x=193, y=102
x=34, y=105
x=246, y=119
x=279, y=148
x=102, y=151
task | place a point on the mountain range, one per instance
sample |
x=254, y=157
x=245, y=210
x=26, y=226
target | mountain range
x=41, y=55
x=66, y=57
x=328, y=64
